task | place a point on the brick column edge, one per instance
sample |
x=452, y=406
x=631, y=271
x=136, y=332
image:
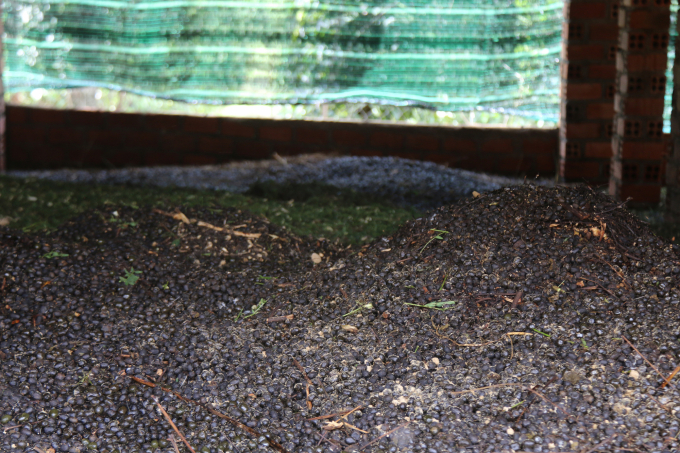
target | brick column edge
x=620, y=97
x=638, y=144
x=587, y=70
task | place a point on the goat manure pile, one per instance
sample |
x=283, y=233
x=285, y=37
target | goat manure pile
x=525, y=319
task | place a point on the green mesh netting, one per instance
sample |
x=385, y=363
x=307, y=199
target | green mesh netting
x=499, y=55
x=669, y=70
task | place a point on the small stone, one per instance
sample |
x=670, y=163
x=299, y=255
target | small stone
x=572, y=377
x=634, y=374
x=349, y=328
x=621, y=408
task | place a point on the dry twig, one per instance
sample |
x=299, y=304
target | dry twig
x=309, y=382
x=521, y=451
x=526, y=406
x=342, y=414
x=671, y=376
x=645, y=358
x=172, y=424
x=479, y=345
x=616, y=271
x=322, y=438
x=275, y=445
x=517, y=300
x=349, y=425
x=512, y=384
x=280, y=318
x=509, y=384
x=386, y=434
x=600, y=285
x=174, y=443
x=663, y=406
x=604, y=442
x=540, y=395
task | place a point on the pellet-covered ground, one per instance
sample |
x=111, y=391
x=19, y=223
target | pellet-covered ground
x=424, y=185
x=525, y=319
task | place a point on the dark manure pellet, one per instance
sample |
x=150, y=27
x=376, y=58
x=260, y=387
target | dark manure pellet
x=523, y=319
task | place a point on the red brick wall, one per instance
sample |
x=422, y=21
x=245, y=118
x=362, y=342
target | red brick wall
x=40, y=138
x=638, y=143
x=588, y=68
x=612, y=70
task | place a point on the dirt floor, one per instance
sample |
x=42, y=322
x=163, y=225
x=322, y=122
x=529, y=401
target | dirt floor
x=524, y=319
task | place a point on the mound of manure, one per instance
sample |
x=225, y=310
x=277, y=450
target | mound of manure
x=525, y=319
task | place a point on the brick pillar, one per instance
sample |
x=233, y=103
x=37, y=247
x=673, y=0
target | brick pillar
x=673, y=163
x=638, y=144
x=587, y=96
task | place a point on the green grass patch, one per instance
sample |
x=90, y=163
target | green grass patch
x=441, y=305
x=320, y=211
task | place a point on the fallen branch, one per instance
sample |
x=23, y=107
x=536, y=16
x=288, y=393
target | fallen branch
x=645, y=358
x=526, y=407
x=509, y=384
x=309, y=382
x=229, y=230
x=353, y=410
x=540, y=395
x=615, y=207
x=517, y=300
x=523, y=451
x=275, y=445
x=616, y=271
x=172, y=424
x=600, y=285
x=663, y=406
x=386, y=434
x=177, y=216
x=671, y=376
x=208, y=225
x=280, y=318
x=604, y=442
x=343, y=414
x=349, y=425
x=246, y=235
x=477, y=345
x=174, y=443
x=323, y=437
x=7, y=428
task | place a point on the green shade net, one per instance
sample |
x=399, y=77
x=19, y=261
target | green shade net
x=669, y=70
x=496, y=55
